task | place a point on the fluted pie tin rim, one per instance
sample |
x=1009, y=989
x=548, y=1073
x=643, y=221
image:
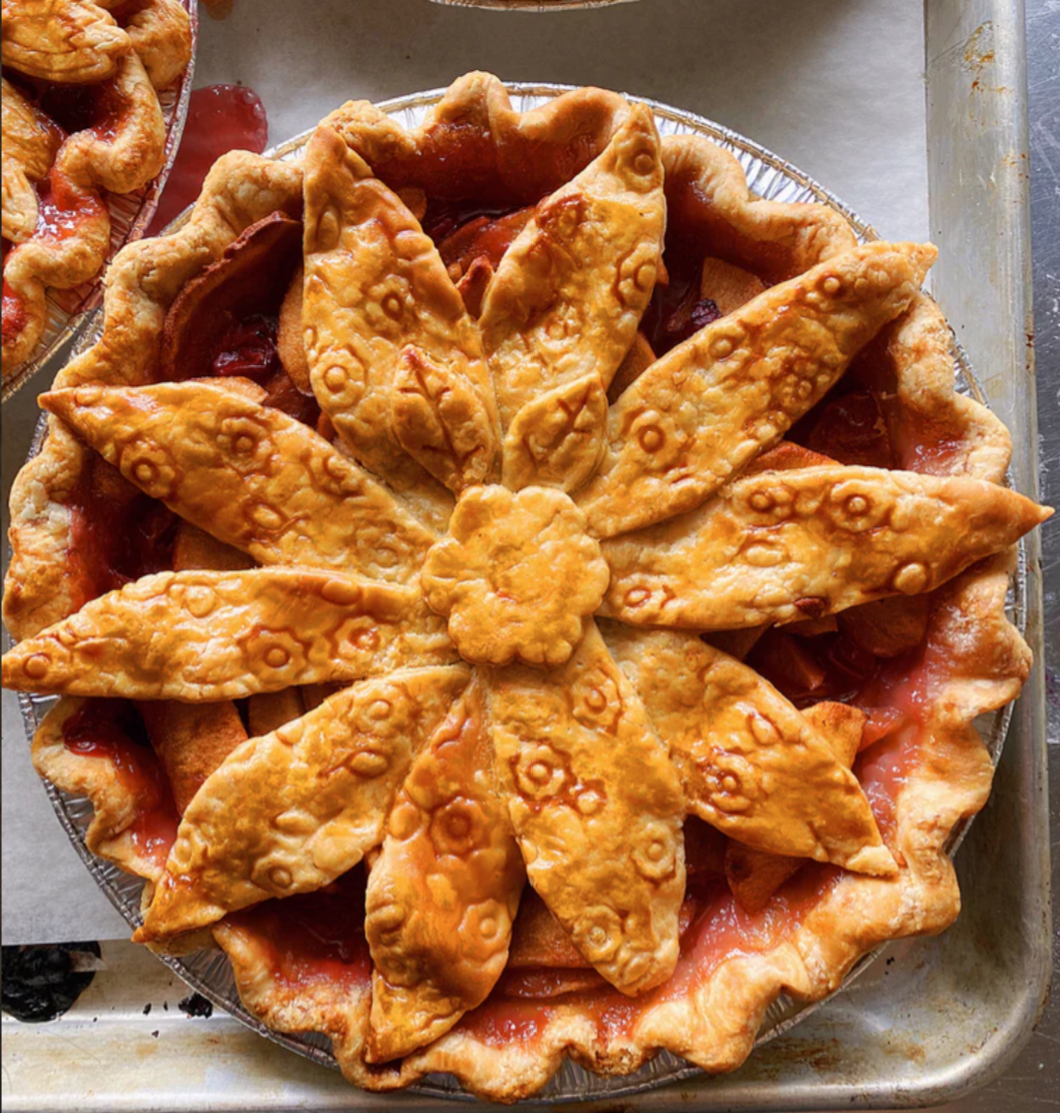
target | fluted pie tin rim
x=209, y=972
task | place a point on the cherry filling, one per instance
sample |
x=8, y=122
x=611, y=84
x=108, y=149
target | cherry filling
x=226, y=320
x=723, y=929
x=97, y=108
x=808, y=670
x=444, y=219
x=849, y=427
x=112, y=730
x=118, y=533
x=315, y=937
x=503, y=1021
x=62, y=207
x=14, y=313
x=61, y=210
x=248, y=348
x=676, y=310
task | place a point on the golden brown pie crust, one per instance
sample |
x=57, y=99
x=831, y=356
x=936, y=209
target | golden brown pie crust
x=595, y=749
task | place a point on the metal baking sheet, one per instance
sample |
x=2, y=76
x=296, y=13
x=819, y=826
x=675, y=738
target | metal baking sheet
x=947, y=1014
x=70, y=312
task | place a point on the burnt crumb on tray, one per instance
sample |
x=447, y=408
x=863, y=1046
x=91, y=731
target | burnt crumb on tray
x=196, y=1005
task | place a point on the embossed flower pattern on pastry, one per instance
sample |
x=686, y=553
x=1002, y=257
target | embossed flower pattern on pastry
x=516, y=576
x=497, y=592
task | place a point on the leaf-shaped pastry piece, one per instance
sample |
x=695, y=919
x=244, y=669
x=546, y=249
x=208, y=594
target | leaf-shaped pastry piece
x=30, y=143
x=755, y=875
x=248, y=474
x=782, y=546
x=375, y=284
x=752, y=766
x=224, y=635
x=711, y=404
x=443, y=893
x=597, y=810
x=567, y=297
x=555, y=439
x=290, y=812
x=440, y=421
x=74, y=41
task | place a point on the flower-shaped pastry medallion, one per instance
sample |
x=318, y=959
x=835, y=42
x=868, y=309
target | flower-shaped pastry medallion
x=516, y=576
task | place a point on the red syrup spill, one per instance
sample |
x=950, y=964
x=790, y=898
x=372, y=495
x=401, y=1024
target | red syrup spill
x=314, y=937
x=221, y=118
x=111, y=730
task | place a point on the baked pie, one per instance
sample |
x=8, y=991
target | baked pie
x=81, y=120
x=516, y=592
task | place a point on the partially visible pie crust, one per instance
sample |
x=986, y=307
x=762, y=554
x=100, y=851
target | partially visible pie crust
x=55, y=212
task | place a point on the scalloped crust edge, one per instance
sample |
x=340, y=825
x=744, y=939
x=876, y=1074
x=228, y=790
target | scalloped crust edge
x=479, y=102
x=109, y=835
x=141, y=284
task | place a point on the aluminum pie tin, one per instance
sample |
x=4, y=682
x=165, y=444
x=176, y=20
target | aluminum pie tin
x=770, y=177
x=70, y=312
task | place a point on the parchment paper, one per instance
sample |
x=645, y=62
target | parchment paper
x=835, y=86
